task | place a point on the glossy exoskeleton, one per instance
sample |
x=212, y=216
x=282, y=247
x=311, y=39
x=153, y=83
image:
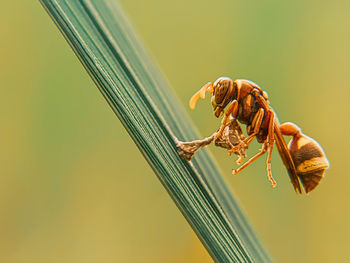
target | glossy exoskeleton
x=246, y=102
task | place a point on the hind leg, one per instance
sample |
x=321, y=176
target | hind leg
x=261, y=153
x=270, y=140
x=267, y=147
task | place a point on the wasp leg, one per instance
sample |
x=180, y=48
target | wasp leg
x=201, y=94
x=239, y=160
x=232, y=109
x=256, y=123
x=267, y=146
x=263, y=150
x=240, y=157
x=271, y=141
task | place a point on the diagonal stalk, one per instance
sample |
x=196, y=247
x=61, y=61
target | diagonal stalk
x=126, y=76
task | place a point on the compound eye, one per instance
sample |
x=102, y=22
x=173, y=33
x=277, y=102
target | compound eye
x=221, y=90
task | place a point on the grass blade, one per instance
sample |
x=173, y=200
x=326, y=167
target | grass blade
x=138, y=94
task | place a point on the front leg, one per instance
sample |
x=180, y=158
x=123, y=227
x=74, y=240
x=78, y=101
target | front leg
x=232, y=109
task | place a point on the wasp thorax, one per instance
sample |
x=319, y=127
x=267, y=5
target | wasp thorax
x=309, y=159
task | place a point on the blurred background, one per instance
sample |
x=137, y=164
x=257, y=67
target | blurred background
x=74, y=187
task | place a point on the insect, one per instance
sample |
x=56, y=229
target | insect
x=246, y=102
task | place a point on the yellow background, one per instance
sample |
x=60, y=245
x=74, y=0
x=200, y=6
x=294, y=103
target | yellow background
x=74, y=187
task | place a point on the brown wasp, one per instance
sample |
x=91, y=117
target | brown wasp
x=246, y=102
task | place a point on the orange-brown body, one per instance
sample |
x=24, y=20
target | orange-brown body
x=248, y=103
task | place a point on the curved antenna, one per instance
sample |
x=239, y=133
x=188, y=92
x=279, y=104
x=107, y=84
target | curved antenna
x=201, y=94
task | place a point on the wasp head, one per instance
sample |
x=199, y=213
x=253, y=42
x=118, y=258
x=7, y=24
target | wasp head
x=223, y=89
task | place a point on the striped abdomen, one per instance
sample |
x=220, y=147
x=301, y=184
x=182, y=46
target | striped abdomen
x=309, y=160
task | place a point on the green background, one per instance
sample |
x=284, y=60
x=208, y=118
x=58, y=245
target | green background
x=74, y=187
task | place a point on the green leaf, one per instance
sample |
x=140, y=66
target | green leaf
x=104, y=42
